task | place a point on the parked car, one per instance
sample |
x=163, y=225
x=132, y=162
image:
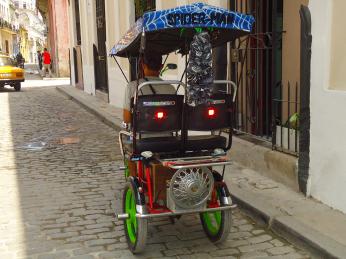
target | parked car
x=10, y=74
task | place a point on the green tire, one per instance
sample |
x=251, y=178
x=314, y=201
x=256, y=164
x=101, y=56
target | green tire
x=217, y=225
x=136, y=229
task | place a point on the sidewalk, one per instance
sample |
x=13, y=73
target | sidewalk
x=301, y=220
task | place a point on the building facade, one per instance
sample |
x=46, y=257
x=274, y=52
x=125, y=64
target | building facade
x=55, y=14
x=31, y=34
x=21, y=29
x=8, y=28
x=25, y=4
x=327, y=173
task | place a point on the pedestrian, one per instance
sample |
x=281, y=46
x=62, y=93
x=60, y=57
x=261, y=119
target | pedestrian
x=46, y=63
x=39, y=58
x=20, y=60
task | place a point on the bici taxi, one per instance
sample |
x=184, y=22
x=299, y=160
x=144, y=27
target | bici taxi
x=182, y=171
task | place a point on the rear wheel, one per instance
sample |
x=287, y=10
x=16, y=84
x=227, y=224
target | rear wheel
x=136, y=229
x=17, y=87
x=217, y=225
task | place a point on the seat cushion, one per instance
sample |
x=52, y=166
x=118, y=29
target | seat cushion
x=158, y=144
x=208, y=142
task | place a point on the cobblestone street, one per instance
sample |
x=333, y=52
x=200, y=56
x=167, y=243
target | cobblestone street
x=59, y=187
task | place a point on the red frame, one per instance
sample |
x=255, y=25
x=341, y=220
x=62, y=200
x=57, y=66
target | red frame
x=154, y=208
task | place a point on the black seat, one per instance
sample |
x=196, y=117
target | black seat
x=206, y=142
x=157, y=114
x=213, y=116
x=158, y=144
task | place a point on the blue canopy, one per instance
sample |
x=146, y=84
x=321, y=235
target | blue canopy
x=169, y=30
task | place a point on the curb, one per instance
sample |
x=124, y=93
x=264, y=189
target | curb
x=320, y=245
x=260, y=210
x=105, y=118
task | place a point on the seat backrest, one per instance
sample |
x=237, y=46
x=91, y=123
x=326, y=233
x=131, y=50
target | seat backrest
x=212, y=116
x=158, y=113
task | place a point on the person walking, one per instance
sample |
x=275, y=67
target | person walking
x=20, y=60
x=39, y=59
x=46, y=63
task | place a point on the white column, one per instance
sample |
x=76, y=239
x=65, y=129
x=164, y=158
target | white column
x=72, y=38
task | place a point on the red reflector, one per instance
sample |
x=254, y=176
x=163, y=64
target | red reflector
x=159, y=115
x=211, y=112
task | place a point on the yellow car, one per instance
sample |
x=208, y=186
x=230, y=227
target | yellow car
x=10, y=74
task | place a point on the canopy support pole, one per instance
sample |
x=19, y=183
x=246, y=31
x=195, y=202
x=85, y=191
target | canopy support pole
x=182, y=76
x=121, y=69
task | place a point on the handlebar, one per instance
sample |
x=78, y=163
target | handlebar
x=176, y=82
x=228, y=82
x=157, y=82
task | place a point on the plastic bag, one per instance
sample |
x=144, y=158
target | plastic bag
x=199, y=71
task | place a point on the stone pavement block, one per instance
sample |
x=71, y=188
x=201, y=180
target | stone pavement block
x=232, y=243
x=83, y=257
x=290, y=256
x=100, y=242
x=87, y=250
x=224, y=252
x=276, y=242
x=246, y=227
x=194, y=256
x=111, y=234
x=255, y=247
x=73, y=229
x=54, y=255
x=259, y=239
x=94, y=231
x=81, y=238
x=258, y=231
x=54, y=226
x=100, y=225
x=63, y=235
x=280, y=250
x=175, y=252
x=124, y=254
x=240, y=235
x=161, y=239
x=255, y=254
x=83, y=223
x=117, y=246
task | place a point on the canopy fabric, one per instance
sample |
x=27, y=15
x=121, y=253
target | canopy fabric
x=172, y=29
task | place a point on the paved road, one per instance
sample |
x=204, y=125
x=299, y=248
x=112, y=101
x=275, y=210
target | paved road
x=59, y=188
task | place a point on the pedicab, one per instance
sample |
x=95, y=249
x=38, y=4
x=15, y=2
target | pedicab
x=169, y=175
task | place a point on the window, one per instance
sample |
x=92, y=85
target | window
x=7, y=47
x=78, y=31
x=24, y=5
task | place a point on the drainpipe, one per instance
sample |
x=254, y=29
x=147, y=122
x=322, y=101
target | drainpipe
x=304, y=121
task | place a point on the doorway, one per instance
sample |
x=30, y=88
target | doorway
x=100, y=52
x=257, y=67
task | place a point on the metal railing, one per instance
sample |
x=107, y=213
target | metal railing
x=285, y=132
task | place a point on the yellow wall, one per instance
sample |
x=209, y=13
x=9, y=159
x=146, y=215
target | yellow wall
x=338, y=47
x=291, y=51
x=291, y=41
x=6, y=36
x=24, y=43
